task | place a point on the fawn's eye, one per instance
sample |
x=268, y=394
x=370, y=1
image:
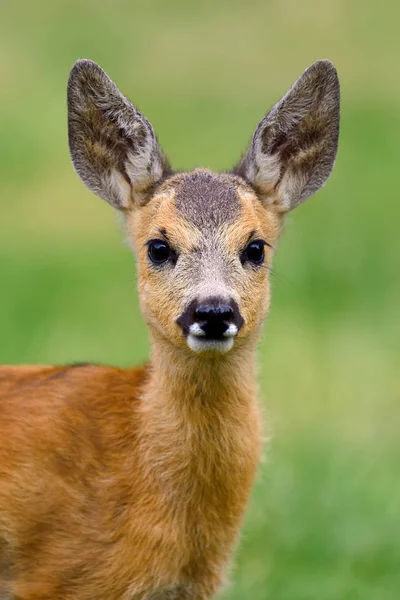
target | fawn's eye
x=254, y=252
x=159, y=251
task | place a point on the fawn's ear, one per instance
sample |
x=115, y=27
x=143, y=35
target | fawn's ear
x=113, y=147
x=293, y=149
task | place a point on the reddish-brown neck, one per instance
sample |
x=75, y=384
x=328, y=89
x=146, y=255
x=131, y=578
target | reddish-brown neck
x=200, y=421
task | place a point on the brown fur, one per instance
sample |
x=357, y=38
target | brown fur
x=132, y=484
x=119, y=484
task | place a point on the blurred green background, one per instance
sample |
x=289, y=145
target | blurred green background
x=324, y=520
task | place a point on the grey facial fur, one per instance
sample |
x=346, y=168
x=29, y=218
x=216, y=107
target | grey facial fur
x=207, y=199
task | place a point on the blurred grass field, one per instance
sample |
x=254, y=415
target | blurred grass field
x=324, y=520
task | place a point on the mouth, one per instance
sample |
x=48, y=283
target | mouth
x=199, y=342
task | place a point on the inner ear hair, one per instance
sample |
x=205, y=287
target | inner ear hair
x=113, y=146
x=293, y=149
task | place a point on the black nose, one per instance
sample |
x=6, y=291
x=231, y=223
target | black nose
x=211, y=319
x=214, y=319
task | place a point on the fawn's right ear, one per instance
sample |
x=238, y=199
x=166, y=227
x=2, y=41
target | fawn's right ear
x=113, y=147
x=293, y=149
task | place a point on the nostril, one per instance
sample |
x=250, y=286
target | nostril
x=213, y=320
x=209, y=312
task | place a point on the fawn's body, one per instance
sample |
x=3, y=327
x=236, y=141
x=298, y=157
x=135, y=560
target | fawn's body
x=131, y=484
x=120, y=499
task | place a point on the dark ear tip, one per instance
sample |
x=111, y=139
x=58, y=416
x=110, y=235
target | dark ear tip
x=323, y=75
x=83, y=67
x=85, y=64
x=324, y=64
x=323, y=68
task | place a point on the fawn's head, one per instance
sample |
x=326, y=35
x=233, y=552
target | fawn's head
x=203, y=241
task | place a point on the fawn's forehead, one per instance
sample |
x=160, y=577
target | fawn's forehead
x=201, y=208
x=205, y=201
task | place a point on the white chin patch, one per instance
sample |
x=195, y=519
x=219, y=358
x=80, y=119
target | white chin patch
x=200, y=344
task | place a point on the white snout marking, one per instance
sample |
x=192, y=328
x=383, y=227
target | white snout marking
x=199, y=344
x=196, y=330
x=231, y=331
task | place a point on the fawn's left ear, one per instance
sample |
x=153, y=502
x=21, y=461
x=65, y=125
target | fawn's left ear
x=293, y=149
x=113, y=147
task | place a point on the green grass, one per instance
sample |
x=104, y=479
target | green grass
x=324, y=520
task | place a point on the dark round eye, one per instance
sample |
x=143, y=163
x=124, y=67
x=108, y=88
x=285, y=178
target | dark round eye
x=159, y=251
x=254, y=252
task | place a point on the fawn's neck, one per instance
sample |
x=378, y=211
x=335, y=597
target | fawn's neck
x=200, y=424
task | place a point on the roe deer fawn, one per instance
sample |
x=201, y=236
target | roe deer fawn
x=131, y=484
